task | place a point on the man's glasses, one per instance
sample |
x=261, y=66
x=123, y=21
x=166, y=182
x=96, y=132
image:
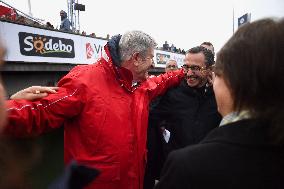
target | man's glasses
x=194, y=68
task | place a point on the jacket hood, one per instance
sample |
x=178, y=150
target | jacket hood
x=113, y=46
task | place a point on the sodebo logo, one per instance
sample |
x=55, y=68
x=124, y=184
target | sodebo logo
x=47, y=46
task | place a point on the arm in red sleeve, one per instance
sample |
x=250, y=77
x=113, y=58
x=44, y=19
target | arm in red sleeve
x=160, y=84
x=26, y=118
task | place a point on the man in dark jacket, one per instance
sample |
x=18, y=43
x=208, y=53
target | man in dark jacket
x=155, y=140
x=188, y=111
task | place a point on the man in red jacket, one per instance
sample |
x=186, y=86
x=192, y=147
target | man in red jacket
x=104, y=109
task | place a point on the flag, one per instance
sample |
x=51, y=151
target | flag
x=243, y=19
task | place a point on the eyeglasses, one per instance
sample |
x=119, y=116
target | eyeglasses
x=194, y=68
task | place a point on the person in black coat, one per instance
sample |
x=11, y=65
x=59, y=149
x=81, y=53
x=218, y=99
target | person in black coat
x=246, y=150
x=188, y=111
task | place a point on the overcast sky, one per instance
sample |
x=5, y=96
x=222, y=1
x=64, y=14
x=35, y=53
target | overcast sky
x=185, y=23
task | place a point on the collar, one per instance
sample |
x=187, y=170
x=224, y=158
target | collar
x=122, y=75
x=246, y=132
x=202, y=91
x=113, y=46
x=234, y=116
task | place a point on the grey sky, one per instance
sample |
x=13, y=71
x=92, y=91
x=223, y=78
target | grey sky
x=185, y=23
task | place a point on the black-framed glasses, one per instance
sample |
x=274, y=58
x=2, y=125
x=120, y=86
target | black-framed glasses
x=194, y=68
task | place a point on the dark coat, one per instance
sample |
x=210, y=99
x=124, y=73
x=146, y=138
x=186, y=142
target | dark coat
x=155, y=145
x=237, y=155
x=188, y=113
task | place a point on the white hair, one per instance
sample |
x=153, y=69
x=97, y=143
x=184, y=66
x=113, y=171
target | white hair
x=135, y=41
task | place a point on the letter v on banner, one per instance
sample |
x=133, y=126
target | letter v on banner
x=244, y=19
x=89, y=51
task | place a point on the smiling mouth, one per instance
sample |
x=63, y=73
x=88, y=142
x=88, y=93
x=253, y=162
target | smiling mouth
x=192, y=78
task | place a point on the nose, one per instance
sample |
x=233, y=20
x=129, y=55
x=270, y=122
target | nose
x=190, y=72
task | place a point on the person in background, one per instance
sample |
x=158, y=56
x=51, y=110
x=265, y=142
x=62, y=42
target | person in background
x=93, y=34
x=104, y=108
x=21, y=20
x=171, y=65
x=208, y=45
x=49, y=25
x=246, y=150
x=173, y=48
x=65, y=23
x=166, y=46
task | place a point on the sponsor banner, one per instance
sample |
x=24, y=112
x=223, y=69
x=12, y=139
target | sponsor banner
x=46, y=46
x=29, y=44
x=92, y=49
x=162, y=57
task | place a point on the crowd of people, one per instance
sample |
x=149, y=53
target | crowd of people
x=64, y=26
x=206, y=125
x=172, y=48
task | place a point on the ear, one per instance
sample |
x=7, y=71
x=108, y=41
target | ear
x=206, y=72
x=136, y=58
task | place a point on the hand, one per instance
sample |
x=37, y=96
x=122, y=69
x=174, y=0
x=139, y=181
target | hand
x=33, y=93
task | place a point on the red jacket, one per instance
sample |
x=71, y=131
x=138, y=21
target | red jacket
x=105, y=120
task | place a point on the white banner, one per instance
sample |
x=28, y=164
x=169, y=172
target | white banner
x=30, y=44
x=162, y=57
